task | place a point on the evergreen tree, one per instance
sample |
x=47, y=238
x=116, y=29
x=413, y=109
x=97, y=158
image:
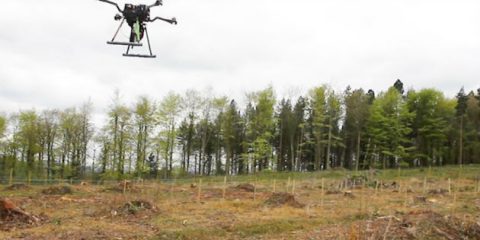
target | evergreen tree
x=388, y=126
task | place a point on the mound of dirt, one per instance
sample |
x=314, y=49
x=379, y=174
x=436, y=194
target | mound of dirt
x=424, y=224
x=137, y=206
x=247, y=187
x=283, y=199
x=439, y=191
x=431, y=225
x=13, y=217
x=17, y=186
x=58, y=190
x=333, y=191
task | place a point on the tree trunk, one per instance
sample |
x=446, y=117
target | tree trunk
x=357, y=160
x=328, y=163
x=460, y=153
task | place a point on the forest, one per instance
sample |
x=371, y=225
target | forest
x=195, y=134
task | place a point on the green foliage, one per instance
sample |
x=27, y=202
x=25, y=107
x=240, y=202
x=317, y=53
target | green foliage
x=431, y=125
x=199, y=134
x=389, y=126
x=3, y=126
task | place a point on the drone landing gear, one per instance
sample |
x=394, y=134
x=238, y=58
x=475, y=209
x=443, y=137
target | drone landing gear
x=130, y=45
x=125, y=44
x=127, y=54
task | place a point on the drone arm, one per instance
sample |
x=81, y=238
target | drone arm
x=157, y=3
x=171, y=21
x=113, y=3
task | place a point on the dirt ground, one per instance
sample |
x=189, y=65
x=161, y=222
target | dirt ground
x=412, y=208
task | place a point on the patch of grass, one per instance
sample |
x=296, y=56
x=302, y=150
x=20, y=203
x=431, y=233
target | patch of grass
x=270, y=227
x=191, y=233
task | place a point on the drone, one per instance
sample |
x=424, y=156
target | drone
x=137, y=17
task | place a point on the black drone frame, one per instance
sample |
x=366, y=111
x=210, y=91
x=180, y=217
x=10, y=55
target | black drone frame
x=142, y=14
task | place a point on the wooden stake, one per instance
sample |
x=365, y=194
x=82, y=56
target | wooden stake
x=10, y=181
x=424, y=185
x=171, y=188
x=288, y=184
x=254, y=189
x=124, y=186
x=224, y=187
x=199, y=190
x=323, y=191
x=450, y=186
x=29, y=178
x=293, y=187
x=454, y=201
x=363, y=207
x=478, y=185
x=274, y=185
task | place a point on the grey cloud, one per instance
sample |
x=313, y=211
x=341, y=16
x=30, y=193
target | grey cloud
x=53, y=53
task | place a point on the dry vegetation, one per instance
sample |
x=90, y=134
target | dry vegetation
x=441, y=203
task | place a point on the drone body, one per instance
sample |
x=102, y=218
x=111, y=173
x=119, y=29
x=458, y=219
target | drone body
x=137, y=17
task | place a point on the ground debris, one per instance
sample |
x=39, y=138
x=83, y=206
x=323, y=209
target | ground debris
x=245, y=187
x=348, y=194
x=12, y=217
x=283, y=199
x=352, y=182
x=333, y=191
x=419, y=199
x=17, y=186
x=58, y=190
x=136, y=206
x=422, y=224
x=438, y=191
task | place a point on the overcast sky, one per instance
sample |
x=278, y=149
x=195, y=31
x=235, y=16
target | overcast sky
x=53, y=52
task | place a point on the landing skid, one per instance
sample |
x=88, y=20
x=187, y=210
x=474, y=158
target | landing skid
x=130, y=45
x=139, y=55
x=125, y=43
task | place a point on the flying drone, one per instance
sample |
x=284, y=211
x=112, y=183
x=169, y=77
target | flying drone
x=137, y=17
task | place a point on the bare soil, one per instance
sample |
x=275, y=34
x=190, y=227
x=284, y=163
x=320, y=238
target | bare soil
x=153, y=210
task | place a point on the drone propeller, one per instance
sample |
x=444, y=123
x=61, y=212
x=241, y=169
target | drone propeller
x=157, y=3
x=137, y=17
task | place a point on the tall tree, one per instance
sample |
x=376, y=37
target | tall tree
x=461, y=109
x=399, y=86
x=318, y=98
x=167, y=114
x=192, y=102
x=389, y=126
x=433, y=115
x=264, y=101
x=298, y=141
x=50, y=122
x=333, y=114
x=28, y=136
x=144, y=123
x=356, y=115
x=231, y=131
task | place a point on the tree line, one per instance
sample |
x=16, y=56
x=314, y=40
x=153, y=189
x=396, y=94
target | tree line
x=195, y=134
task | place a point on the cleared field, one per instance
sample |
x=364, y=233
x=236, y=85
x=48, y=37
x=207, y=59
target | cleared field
x=432, y=203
